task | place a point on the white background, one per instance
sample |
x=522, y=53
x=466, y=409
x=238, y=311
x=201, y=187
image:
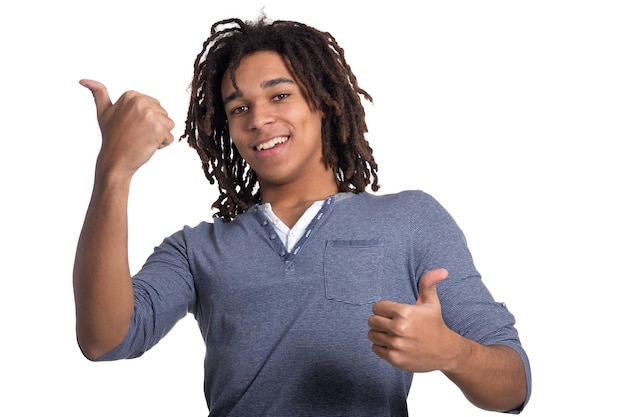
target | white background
x=511, y=114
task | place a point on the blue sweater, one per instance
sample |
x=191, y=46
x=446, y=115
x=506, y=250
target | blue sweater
x=286, y=333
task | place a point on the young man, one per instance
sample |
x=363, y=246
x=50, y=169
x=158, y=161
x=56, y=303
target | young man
x=314, y=296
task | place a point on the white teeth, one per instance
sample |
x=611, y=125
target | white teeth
x=271, y=143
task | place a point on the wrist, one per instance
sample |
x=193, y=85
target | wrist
x=461, y=350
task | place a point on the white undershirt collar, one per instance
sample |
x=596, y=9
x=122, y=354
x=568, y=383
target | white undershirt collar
x=290, y=237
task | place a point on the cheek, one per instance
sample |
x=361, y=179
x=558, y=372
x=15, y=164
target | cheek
x=311, y=120
x=315, y=127
x=235, y=134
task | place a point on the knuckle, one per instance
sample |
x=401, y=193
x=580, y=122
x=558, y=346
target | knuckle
x=395, y=358
x=401, y=328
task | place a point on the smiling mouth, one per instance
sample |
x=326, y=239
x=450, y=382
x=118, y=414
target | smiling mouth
x=271, y=143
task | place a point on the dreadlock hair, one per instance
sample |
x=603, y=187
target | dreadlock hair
x=319, y=64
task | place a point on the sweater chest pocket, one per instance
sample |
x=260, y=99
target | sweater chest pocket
x=353, y=270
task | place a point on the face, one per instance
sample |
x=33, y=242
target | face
x=272, y=123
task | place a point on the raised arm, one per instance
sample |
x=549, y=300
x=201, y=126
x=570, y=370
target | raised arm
x=415, y=338
x=132, y=130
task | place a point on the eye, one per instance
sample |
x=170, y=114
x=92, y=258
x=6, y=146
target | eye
x=238, y=110
x=280, y=96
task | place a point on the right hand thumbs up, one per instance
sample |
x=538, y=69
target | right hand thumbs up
x=133, y=128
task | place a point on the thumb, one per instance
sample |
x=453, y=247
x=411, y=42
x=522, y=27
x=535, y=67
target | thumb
x=100, y=95
x=428, y=286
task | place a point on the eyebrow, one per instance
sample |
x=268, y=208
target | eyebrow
x=265, y=84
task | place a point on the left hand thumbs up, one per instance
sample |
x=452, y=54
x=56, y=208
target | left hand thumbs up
x=412, y=337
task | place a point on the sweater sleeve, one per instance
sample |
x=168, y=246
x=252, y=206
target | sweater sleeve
x=467, y=305
x=164, y=294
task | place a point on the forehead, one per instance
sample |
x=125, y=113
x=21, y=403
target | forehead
x=256, y=69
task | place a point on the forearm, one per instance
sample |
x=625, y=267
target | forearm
x=132, y=130
x=102, y=281
x=491, y=377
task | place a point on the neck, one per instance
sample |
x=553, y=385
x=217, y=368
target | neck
x=290, y=201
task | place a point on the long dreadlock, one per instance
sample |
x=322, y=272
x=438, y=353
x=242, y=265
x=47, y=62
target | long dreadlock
x=319, y=64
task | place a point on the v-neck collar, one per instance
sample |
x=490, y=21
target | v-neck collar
x=275, y=240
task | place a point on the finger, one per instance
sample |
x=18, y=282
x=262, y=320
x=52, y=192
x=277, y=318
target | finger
x=379, y=323
x=386, y=309
x=428, y=286
x=100, y=94
x=378, y=338
x=381, y=351
x=169, y=125
x=166, y=141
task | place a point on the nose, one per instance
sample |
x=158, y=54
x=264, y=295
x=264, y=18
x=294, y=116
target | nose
x=259, y=116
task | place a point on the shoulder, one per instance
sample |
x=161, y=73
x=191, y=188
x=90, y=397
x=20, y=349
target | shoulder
x=409, y=200
x=414, y=209
x=217, y=227
x=209, y=235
